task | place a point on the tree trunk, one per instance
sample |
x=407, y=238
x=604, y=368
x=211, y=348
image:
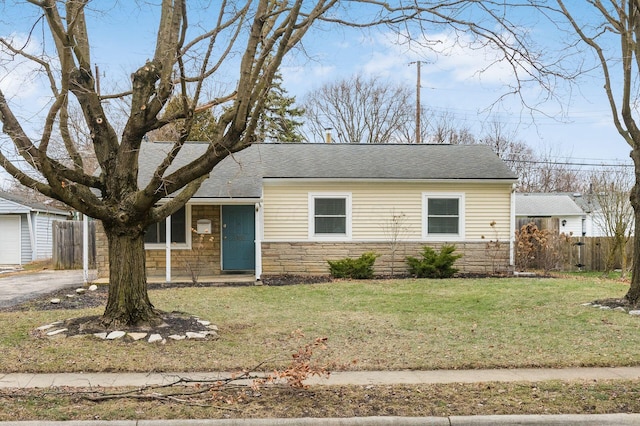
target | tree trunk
x=633, y=295
x=128, y=303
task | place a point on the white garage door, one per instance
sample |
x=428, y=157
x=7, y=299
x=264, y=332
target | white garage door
x=9, y=240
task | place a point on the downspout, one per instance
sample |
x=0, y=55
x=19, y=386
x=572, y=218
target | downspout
x=258, y=240
x=512, y=227
x=167, y=250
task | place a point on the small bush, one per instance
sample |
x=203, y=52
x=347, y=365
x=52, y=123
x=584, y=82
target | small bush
x=539, y=248
x=358, y=269
x=432, y=264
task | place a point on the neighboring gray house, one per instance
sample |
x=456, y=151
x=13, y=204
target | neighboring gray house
x=553, y=211
x=25, y=229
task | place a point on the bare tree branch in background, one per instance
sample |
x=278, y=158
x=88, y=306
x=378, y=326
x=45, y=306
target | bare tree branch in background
x=360, y=110
x=613, y=213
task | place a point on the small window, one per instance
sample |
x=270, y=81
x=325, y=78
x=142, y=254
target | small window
x=330, y=216
x=444, y=216
x=156, y=233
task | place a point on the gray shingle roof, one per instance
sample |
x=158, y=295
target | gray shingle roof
x=241, y=175
x=538, y=205
x=30, y=204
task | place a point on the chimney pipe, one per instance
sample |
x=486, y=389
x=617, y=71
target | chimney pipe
x=327, y=134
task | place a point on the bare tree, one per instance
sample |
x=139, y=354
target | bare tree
x=555, y=175
x=613, y=213
x=596, y=35
x=395, y=230
x=617, y=27
x=445, y=129
x=360, y=110
x=519, y=156
x=261, y=31
x=258, y=34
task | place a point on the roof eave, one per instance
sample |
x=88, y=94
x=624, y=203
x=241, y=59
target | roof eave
x=392, y=180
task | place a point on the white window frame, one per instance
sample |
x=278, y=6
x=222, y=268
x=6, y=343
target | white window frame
x=180, y=246
x=461, y=216
x=311, y=208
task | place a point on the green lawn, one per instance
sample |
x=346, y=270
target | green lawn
x=390, y=324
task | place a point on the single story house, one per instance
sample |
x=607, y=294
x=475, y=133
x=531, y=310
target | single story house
x=276, y=209
x=26, y=229
x=595, y=223
x=555, y=211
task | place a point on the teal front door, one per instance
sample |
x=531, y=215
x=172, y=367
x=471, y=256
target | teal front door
x=238, y=238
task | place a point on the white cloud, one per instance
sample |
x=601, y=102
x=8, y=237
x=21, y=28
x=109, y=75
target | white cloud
x=449, y=59
x=19, y=75
x=301, y=79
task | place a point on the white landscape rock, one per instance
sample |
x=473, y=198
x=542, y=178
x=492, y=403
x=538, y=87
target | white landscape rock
x=115, y=335
x=213, y=327
x=203, y=322
x=45, y=327
x=155, y=338
x=100, y=335
x=56, y=332
x=137, y=336
x=81, y=290
x=177, y=337
x=634, y=312
x=194, y=335
x=93, y=287
x=55, y=301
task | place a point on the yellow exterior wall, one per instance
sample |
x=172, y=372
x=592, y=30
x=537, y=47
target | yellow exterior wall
x=286, y=215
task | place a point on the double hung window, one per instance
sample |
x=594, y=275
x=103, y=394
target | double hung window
x=443, y=216
x=330, y=216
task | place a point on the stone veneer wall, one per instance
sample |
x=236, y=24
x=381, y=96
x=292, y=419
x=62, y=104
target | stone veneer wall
x=310, y=258
x=102, y=251
x=204, y=255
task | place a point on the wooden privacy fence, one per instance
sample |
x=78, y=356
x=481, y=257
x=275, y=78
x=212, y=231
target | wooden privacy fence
x=67, y=244
x=590, y=253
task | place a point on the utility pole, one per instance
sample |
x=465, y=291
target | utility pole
x=97, y=80
x=417, y=101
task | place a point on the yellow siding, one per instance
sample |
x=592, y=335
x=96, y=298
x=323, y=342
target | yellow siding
x=374, y=204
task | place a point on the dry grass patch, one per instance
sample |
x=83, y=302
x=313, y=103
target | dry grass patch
x=337, y=401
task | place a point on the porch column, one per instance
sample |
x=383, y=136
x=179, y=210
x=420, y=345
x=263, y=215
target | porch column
x=85, y=248
x=168, y=249
x=258, y=241
x=512, y=227
x=32, y=235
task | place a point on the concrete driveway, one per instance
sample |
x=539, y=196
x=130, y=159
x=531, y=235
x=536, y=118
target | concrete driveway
x=17, y=288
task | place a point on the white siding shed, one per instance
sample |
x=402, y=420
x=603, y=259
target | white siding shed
x=26, y=229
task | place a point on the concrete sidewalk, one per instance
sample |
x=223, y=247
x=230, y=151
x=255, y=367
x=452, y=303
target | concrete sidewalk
x=29, y=380
x=538, y=420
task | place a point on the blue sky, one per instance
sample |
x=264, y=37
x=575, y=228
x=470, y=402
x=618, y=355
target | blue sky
x=450, y=84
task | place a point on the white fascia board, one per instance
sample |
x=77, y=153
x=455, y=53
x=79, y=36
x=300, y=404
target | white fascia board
x=217, y=201
x=286, y=181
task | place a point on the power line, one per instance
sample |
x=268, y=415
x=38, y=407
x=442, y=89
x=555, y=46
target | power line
x=567, y=163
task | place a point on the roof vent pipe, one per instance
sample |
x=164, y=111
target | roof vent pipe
x=327, y=134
